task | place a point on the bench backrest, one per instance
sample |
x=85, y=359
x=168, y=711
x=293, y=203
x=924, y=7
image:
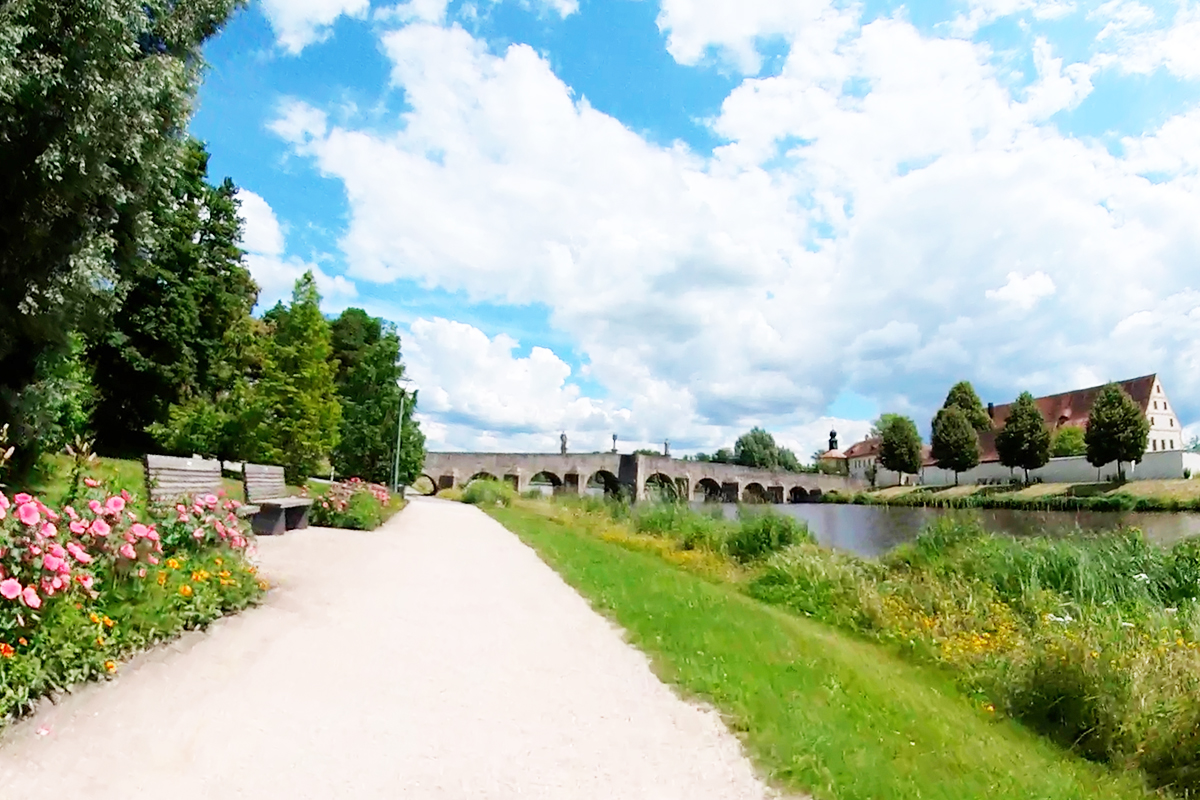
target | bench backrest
x=169, y=478
x=263, y=483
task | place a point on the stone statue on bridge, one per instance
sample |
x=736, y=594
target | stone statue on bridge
x=833, y=440
x=667, y=448
x=563, y=440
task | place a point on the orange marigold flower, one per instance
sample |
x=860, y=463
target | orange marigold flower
x=185, y=590
x=99, y=641
x=111, y=666
x=21, y=641
x=6, y=650
x=95, y=618
x=162, y=579
x=218, y=561
x=108, y=623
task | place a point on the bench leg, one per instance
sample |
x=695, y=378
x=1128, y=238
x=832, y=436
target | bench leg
x=269, y=522
x=297, y=518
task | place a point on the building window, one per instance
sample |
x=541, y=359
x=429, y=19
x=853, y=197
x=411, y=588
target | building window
x=1172, y=422
x=1155, y=405
x=1172, y=444
x=1154, y=444
x=1152, y=422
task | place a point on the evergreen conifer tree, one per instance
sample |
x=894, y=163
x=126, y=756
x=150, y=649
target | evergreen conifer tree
x=1024, y=441
x=301, y=413
x=954, y=444
x=1117, y=430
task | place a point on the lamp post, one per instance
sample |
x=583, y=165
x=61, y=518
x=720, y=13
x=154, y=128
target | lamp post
x=399, y=437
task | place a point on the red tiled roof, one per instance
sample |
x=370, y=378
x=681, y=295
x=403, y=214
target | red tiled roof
x=1069, y=409
x=1059, y=410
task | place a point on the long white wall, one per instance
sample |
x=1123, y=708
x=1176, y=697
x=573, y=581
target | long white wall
x=1075, y=469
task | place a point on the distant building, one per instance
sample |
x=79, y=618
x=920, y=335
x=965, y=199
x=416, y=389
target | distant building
x=1069, y=409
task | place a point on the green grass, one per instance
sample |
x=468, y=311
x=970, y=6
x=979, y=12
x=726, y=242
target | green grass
x=819, y=710
x=1150, y=495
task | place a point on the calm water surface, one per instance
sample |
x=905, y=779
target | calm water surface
x=872, y=530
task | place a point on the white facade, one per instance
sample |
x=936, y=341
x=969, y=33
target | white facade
x=1165, y=431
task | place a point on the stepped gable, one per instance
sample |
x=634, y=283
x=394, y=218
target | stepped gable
x=1068, y=409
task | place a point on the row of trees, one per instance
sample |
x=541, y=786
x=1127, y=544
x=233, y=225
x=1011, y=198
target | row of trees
x=1117, y=430
x=126, y=314
x=757, y=448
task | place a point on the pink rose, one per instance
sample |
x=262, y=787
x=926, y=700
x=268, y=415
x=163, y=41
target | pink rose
x=58, y=583
x=3, y=513
x=79, y=554
x=95, y=507
x=142, y=572
x=28, y=513
x=128, y=551
x=198, y=534
x=48, y=531
x=126, y=496
x=85, y=581
x=210, y=500
x=55, y=549
x=51, y=563
x=78, y=528
x=115, y=505
x=152, y=559
x=138, y=530
x=30, y=596
x=152, y=534
x=91, y=483
x=22, y=498
x=70, y=512
x=100, y=528
x=10, y=589
x=3, y=502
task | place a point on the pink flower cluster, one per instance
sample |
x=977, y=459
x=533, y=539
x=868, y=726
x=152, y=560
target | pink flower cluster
x=44, y=553
x=210, y=520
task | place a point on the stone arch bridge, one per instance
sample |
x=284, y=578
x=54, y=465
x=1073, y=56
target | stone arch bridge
x=573, y=474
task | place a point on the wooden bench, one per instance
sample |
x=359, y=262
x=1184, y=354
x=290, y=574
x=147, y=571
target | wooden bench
x=266, y=489
x=171, y=480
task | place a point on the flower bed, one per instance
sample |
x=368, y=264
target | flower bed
x=83, y=586
x=354, y=504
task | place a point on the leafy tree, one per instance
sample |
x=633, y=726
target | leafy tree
x=723, y=456
x=756, y=449
x=1117, y=430
x=1024, y=441
x=94, y=95
x=184, y=327
x=788, y=461
x=369, y=368
x=298, y=396
x=900, y=445
x=1194, y=445
x=962, y=396
x=954, y=444
x=1068, y=441
x=58, y=404
x=881, y=424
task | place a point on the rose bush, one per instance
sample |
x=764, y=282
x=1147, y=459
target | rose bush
x=84, y=585
x=353, y=504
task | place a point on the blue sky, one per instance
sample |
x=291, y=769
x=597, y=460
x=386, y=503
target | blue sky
x=678, y=219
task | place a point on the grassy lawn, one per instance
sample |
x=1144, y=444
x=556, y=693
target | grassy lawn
x=820, y=711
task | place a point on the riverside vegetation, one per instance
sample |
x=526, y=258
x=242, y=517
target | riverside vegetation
x=1089, y=641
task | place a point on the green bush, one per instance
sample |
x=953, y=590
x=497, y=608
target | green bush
x=486, y=492
x=761, y=533
x=354, y=505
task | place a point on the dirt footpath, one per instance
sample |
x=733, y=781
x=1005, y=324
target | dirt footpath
x=435, y=658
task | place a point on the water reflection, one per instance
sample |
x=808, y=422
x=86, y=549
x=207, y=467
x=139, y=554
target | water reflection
x=872, y=530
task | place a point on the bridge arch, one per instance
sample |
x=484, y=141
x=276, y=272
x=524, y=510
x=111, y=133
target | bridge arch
x=483, y=476
x=707, y=490
x=603, y=479
x=798, y=494
x=420, y=488
x=666, y=487
x=754, y=493
x=546, y=476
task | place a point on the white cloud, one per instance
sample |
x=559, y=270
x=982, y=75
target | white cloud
x=1024, y=292
x=1137, y=43
x=882, y=206
x=263, y=241
x=299, y=23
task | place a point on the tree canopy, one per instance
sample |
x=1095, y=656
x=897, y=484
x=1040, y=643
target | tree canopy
x=1024, y=441
x=954, y=444
x=962, y=396
x=1068, y=441
x=94, y=95
x=1117, y=429
x=900, y=446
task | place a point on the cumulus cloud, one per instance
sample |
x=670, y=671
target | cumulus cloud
x=1135, y=40
x=263, y=241
x=882, y=206
x=1022, y=291
x=299, y=23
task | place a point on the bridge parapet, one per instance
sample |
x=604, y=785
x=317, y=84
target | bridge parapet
x=572, y=474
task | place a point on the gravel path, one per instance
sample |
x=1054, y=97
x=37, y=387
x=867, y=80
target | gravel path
x=435, y=658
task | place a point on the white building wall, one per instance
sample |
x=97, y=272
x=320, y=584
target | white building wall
x=1075, y=469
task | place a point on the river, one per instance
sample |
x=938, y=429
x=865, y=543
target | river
x=872, y=530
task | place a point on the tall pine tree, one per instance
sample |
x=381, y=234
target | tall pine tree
x=297, y=394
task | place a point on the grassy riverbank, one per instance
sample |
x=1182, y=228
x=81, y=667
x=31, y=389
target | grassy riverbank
x=1159, y=495
x=820, y=710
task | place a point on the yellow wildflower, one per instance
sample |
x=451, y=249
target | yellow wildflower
x=111, y=666
x=185, y=590
x=94, y=618
x=108, y=623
